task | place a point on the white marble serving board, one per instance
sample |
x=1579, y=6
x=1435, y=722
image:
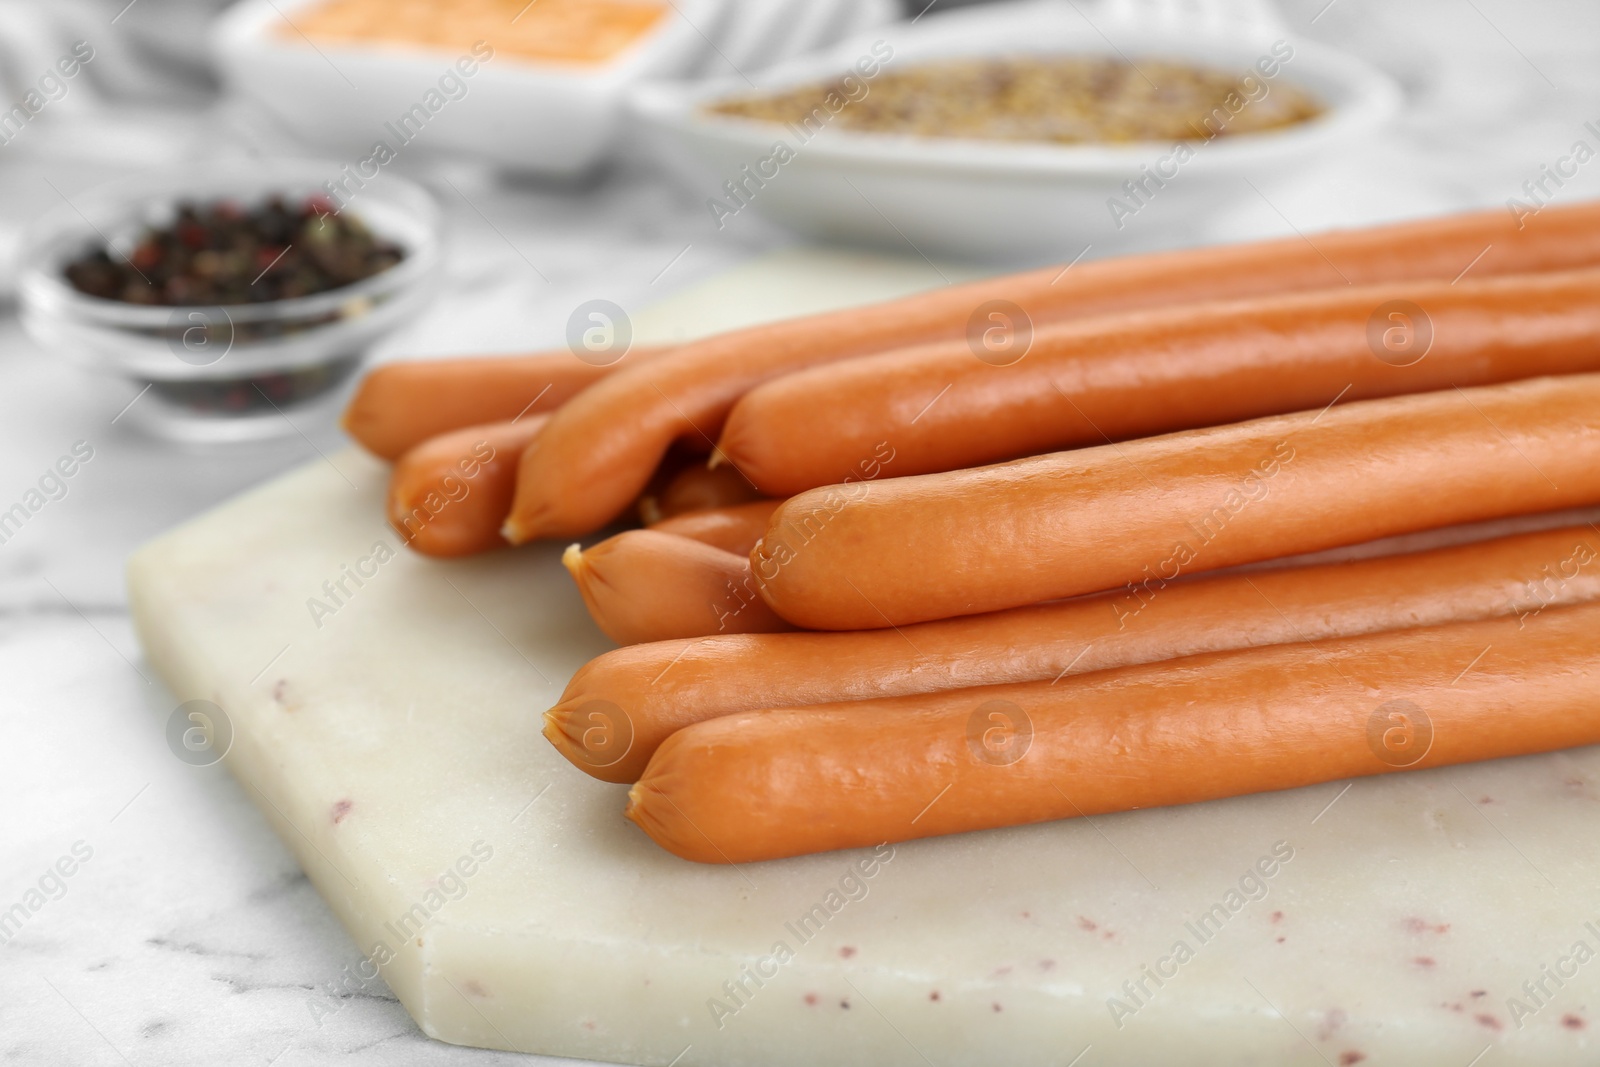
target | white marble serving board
x=402, y=733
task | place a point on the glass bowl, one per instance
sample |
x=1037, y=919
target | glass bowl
x=232, y=372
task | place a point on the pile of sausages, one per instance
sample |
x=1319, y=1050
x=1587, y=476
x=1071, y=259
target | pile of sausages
x=924, y=584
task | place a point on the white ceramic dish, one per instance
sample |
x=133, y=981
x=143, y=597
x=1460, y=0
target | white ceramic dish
x=544, y=118
x=1001, y=200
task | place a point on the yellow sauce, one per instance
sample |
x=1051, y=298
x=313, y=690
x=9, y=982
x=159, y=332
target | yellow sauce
x=554, y=31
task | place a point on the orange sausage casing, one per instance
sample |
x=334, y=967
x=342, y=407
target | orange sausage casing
x=449, y=495
x=642, y=585
x=399, y=405
x=733, y=529
x=935, y=545
x=604, y=445
x=769, y=784
x=642, y=694
x=1151, y=372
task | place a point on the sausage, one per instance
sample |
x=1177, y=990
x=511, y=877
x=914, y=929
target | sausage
x=733, y=529
x=449, y=495
x=642, y=585
x=1157, y=371
x=399, y=405
x=696, y=488
x=768, y=784
x=907, y=550
x=603, y=446
x=645, y=693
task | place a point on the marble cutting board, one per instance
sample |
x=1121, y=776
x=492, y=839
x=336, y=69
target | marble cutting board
x=1444, y=917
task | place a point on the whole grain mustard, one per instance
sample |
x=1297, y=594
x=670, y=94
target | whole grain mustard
x=1054, y=99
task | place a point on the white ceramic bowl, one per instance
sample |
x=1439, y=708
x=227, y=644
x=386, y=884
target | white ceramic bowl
x=995, y=200
x=540, y=118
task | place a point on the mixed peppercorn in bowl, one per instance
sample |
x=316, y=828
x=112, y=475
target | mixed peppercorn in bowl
x=230, y=296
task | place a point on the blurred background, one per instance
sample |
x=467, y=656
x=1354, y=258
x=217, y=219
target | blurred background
x=539, y=157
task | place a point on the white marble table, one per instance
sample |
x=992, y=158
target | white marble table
x=189, y=935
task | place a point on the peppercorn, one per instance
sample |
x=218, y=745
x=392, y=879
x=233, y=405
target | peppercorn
x=222, y=253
